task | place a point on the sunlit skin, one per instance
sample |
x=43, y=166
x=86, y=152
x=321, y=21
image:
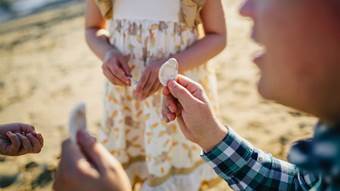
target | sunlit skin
x=299, y=67
x=301, y=62
x=88, y=165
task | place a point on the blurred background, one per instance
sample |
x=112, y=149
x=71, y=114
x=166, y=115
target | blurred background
x=46, y=68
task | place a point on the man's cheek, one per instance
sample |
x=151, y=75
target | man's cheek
x=274, y=73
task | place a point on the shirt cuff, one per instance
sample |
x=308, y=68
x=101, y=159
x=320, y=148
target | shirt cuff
x=230, y=155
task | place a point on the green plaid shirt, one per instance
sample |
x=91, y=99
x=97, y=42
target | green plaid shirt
x=244, y=167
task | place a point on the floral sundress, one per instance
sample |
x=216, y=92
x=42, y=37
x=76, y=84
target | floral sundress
x=154, y=153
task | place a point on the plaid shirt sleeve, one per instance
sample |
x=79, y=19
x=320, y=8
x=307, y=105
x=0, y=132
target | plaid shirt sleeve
x=244, y=167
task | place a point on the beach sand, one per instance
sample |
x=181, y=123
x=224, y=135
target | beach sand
x=46, y=68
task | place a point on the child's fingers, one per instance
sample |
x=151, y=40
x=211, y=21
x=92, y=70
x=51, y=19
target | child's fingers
x=124, y=62
x=152, y=83
x=157, y=85
x=143, y=81
x=119, y=73
x=107, y=73
x=15, y=142
x=36, y=146
x=26, y=144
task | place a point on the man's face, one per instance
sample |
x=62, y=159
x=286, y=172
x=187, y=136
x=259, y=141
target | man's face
x=300, y=65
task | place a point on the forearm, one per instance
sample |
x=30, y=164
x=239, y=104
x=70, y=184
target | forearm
x=201, y=51
x=98, y=42
x=246, y=168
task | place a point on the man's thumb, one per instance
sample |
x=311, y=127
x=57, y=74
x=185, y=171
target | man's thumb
x=181, y=94
x=91, y=149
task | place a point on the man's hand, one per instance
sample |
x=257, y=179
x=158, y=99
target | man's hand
x=19, y=139
x=88, y=166
x=116, y=69
x=186, y=100
x=149, y=82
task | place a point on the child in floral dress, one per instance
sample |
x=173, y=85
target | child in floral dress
x=143, y=34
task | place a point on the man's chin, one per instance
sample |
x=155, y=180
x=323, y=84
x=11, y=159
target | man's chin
x=263, y=90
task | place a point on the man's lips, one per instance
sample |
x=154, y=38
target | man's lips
x=259, y=55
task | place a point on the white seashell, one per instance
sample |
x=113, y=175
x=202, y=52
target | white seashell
x=168, y=71
x=77, y=120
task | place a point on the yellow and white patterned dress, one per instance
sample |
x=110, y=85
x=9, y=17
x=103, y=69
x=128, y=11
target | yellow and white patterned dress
x=152, y=152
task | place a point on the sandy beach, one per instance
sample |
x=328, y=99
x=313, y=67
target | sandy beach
x=46, y=68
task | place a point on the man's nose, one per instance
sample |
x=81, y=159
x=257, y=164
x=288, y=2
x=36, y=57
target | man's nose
x=247, y=8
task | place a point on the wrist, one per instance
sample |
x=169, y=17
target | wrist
x=109, y=53
x=214, y=137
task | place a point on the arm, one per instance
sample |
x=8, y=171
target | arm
x=240, y=164
x=247, y=168
x=212, y=43
x=94, y=24
x=115, y=65
x=197, y=54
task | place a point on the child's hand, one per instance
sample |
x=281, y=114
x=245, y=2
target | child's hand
x=116, y=69
x=19, y=139
x=149, y=82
